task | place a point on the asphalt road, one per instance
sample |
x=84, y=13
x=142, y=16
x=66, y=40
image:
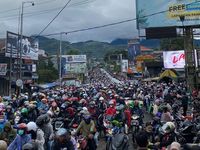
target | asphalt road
x=102, y=143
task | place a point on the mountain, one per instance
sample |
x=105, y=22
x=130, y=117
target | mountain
x=90, y=48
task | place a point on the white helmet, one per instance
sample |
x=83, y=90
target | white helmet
x=101, y=98
x=32, y=126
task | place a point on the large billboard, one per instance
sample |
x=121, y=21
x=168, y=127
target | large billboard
x=166, y=13
x=29, y=46
x=75, y=58
x=74, y=64
x=174, y=59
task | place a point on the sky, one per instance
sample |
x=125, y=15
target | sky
x=78, y=14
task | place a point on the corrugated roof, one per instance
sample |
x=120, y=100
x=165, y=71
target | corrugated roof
x=143, y=48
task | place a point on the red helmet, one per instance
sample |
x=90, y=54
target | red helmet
x=22, y=126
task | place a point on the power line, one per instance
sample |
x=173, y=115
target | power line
x=54, y=18
x=15, y=9
x=115, y=23
x=11, y=17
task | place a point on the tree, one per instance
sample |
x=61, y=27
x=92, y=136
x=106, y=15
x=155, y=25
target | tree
x=46, y=71
x=172, y=44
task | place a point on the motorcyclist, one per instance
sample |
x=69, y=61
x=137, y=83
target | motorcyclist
x=87, y=129
x=9, y=114
x=32, y=112
x=167, y=135
x=54, y=109
x=37, y=135
x=43, y=122
x=63, y=139
x=21, y=139
x=111, y=110
x=43, y=106
x=102, y=105
x=8, y=134
x=24, y=116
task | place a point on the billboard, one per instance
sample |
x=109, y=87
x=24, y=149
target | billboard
x=74, y=64
x=124, y=65
x=165, y=13
x=29, y=47
x=75, y=58
x=3, y=69
x=174, y=59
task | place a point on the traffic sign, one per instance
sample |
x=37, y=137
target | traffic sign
x=19, y=82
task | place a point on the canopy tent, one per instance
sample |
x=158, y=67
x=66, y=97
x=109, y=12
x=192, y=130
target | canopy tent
x=169, y=74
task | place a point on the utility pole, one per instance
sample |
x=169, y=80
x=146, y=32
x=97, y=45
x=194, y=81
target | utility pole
x=60, y=61
x=21, y=38
x=189, y=57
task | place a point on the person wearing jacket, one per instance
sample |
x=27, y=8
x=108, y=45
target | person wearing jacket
x=43, y=122
x=21, y=139
x=8, y=134
x=37, y=135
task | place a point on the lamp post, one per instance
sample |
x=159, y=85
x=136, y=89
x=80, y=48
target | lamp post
x=60, y=59
x=21, y=37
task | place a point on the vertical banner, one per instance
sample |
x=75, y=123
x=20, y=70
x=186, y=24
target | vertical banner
x=133, y=49
x=124, y=65
x=3, y=69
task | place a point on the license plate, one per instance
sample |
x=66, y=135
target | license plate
x=134, y=123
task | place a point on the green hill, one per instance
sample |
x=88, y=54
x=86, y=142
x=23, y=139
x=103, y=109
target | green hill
x=90, y=48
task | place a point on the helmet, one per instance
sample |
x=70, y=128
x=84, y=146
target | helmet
x=62, y=132
x=3, y=144
x=157, y=101
x=101, y=98
x=24, y=110
x=167, y=127
x=111, y=103
x=31, y=126
x=22, y=126
x=43, y=119
x=9, y=107
x=87, y=119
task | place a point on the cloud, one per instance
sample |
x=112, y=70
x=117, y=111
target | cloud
x=78, y=15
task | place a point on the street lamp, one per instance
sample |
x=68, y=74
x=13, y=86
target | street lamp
x=21, y=36
x=60, y=58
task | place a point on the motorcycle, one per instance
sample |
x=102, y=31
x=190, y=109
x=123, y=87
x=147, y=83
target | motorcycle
x=117, y=140
x=58, y=123
x=135, y=125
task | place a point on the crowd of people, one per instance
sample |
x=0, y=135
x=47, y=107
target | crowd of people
x=78, y=117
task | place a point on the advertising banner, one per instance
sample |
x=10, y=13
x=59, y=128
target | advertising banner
x=75, y=58
x=74, y=64
x=133, y=50
x=174, y=59
x=166, y=13
x=3, y=69
x=29, y=47
x=25, y=67
x=124, y=65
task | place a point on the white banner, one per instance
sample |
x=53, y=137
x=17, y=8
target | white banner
x=124, y=65
x=174, y=59
x=75, y=58
x=3, y=69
